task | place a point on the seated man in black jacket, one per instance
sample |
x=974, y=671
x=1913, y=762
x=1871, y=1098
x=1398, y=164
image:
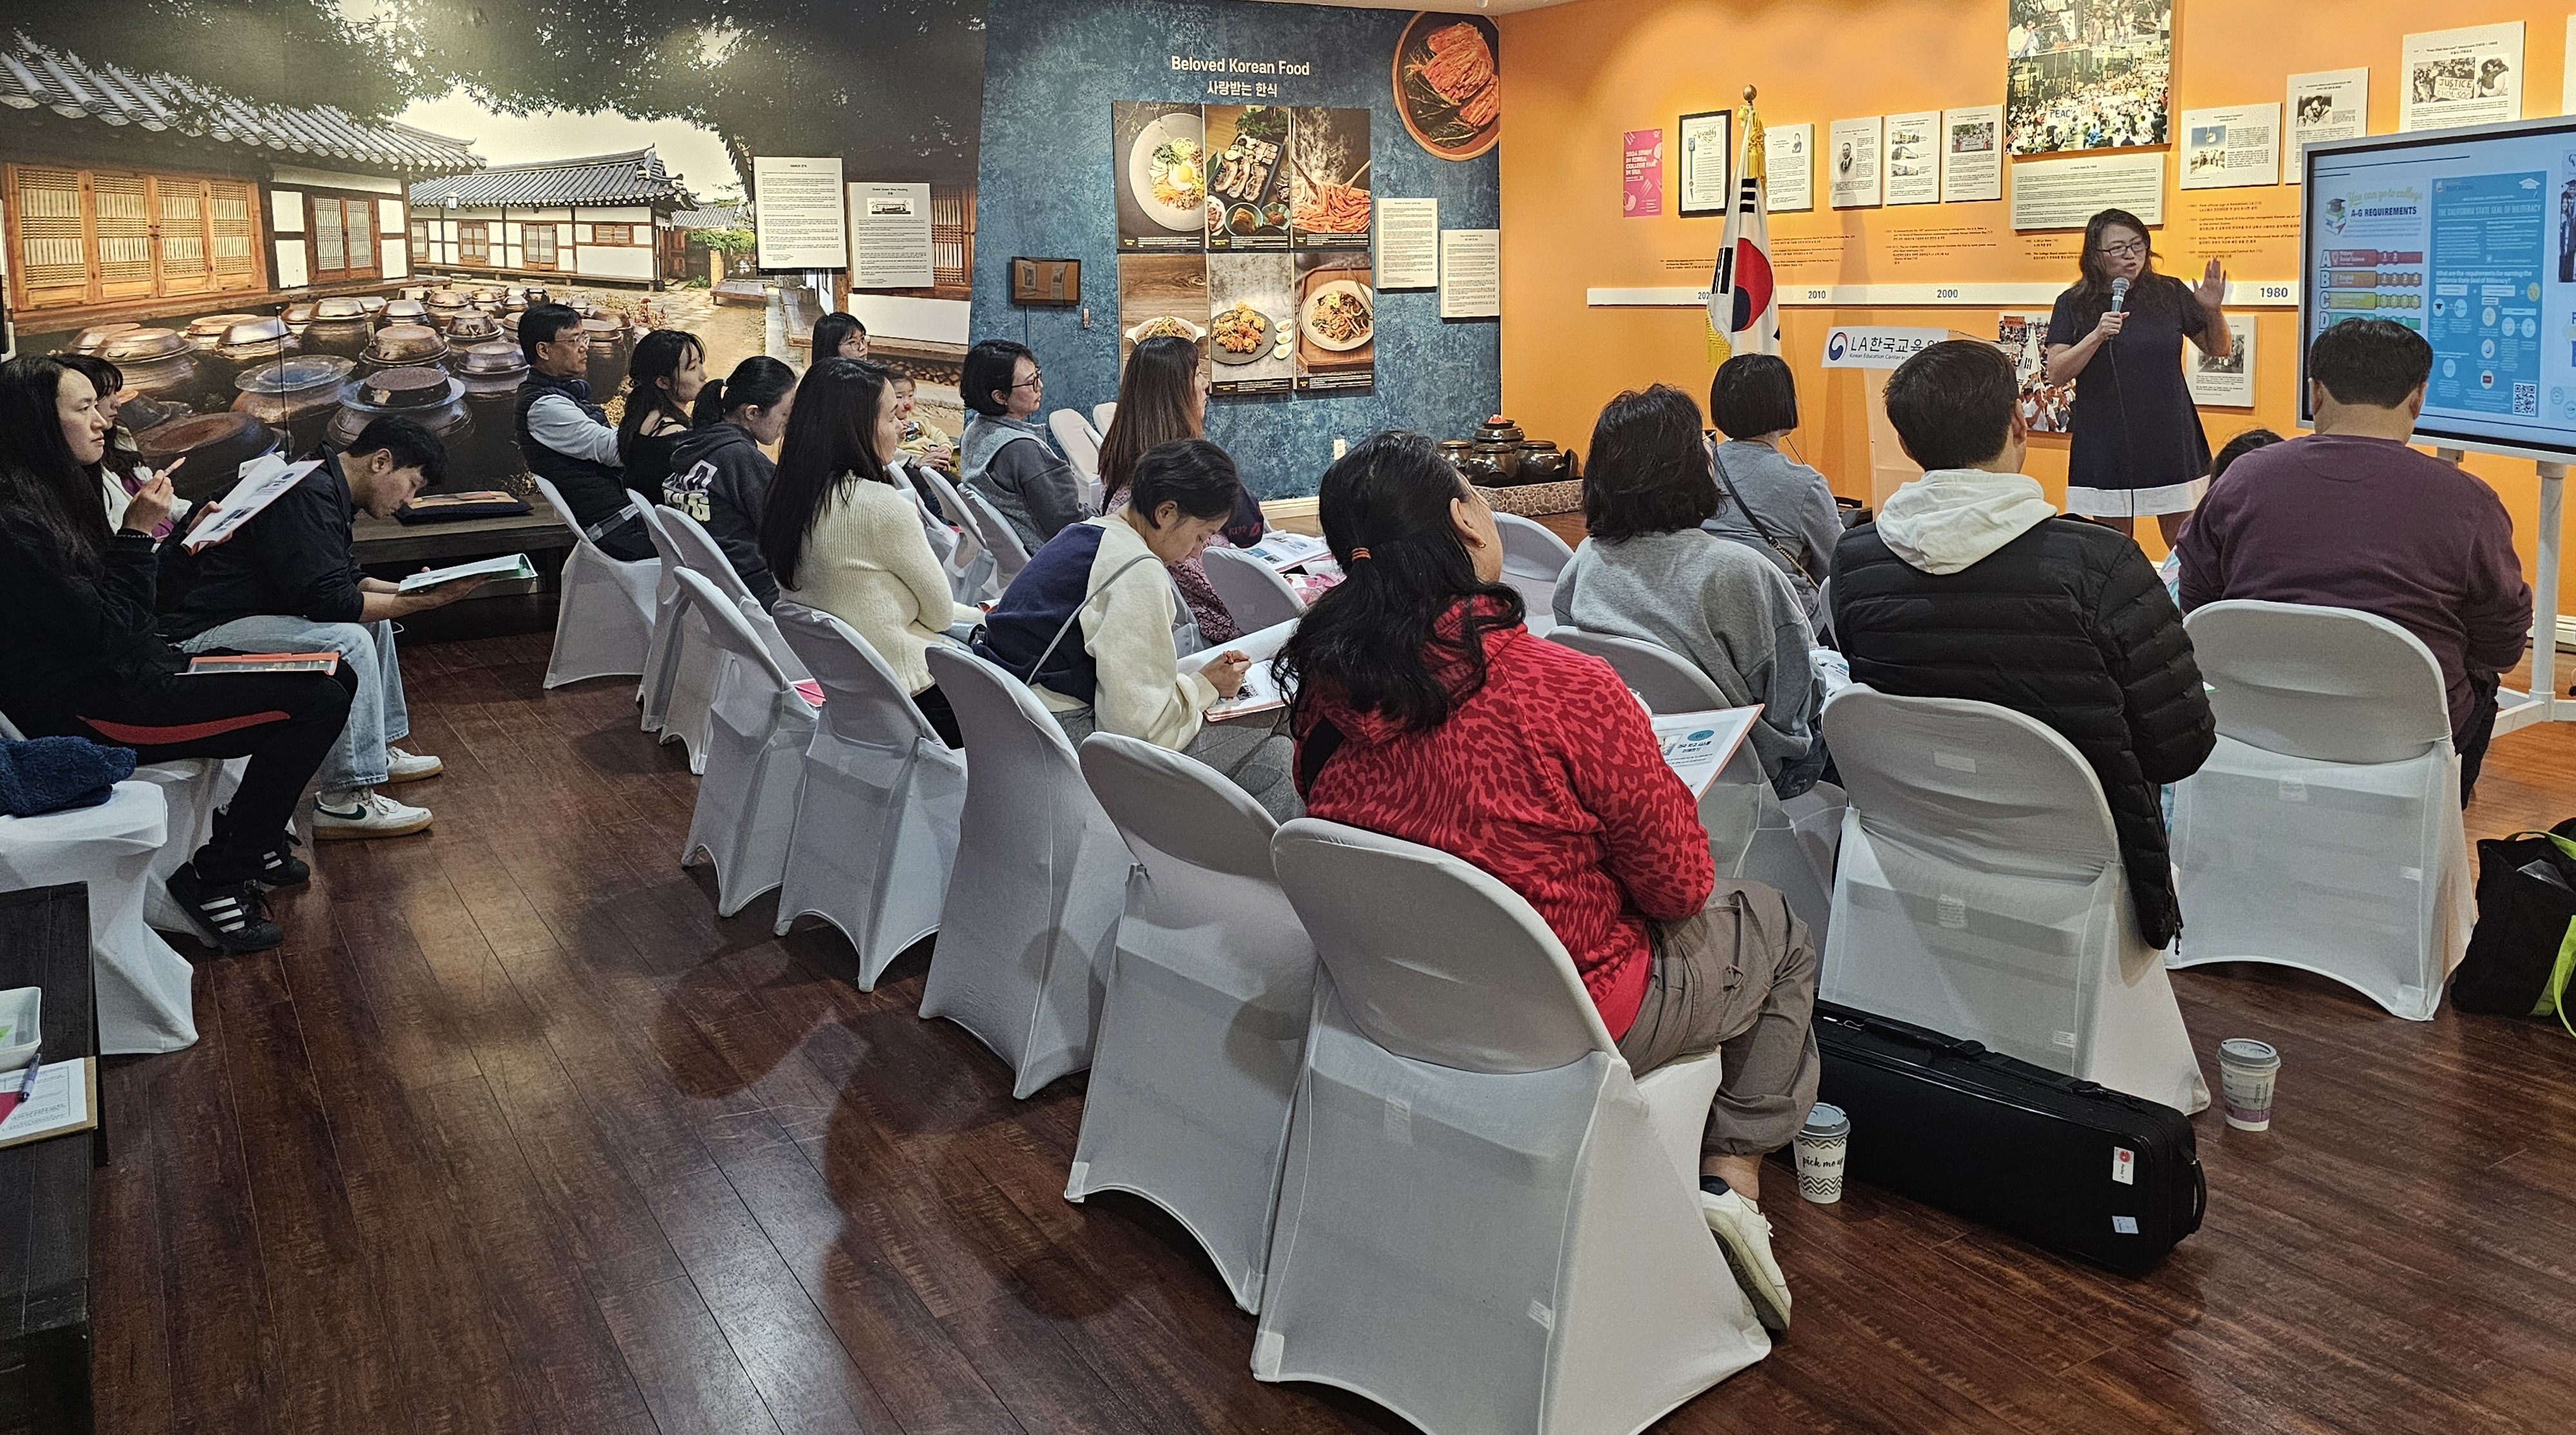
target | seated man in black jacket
x=1970, y=586
x=288, y=581
x=566, y=438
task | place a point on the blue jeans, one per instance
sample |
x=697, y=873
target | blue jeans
x=377, y=714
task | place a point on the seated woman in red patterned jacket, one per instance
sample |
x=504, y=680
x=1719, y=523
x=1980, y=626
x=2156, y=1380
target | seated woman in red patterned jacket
x=1425, y=711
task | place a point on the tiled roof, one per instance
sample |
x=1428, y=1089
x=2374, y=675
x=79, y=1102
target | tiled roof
x=33, y=76
x=635, y=177
x=708, y=219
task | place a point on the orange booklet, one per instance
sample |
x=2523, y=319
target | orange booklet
x=264, y=663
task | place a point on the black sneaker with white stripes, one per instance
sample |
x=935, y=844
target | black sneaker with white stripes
x=280, y=867
x=229, y=915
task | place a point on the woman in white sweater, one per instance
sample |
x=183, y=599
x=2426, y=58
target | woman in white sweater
x=1088, y=625
x=843, y=538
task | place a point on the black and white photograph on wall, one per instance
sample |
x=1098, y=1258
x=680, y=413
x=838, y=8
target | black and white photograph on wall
x=1252, y=333
x=1248, y=187
x=1336, y=322
x=1329, y=162
x=2088, y=74
x=256, y=228
x=1161, y=155
x=1161, y=296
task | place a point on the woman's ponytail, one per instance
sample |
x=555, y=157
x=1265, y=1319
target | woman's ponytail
x=710, y=408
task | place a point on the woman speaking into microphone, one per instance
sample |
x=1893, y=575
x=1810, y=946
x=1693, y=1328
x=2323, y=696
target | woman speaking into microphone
x=2117, y=336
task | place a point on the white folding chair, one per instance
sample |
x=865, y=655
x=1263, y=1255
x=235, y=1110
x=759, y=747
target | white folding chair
x=1205, y=1018
x=972, y=570
x=878, y=810
x=1033, y=906
x=1081, y=444
x=760, y=727
x=1103, y=415
x=1981, y=894
x=1486, y=1224
x=1010, y=555
x=143, y=986
x=1532, y=559
x=1251, y=590
x=680, y=666
x=1752, y=834
x=604, y=608
x=700, y=553
x=2324, y=832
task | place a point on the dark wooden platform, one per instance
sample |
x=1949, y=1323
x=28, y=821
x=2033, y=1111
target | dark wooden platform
x=514, y=1135
x=384, y=542
x=45, y=1344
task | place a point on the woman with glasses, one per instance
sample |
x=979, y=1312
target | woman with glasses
x=2137, y=448
x=1005, y=454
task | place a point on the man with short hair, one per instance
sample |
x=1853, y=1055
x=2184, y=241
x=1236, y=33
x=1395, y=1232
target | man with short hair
x=567, y=439
x=288, y=581
x=1970, y=586
x=2351, y=517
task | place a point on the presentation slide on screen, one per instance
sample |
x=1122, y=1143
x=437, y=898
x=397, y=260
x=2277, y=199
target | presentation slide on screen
x=2471, y=242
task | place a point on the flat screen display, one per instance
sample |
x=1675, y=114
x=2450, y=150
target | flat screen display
x=2467, y=236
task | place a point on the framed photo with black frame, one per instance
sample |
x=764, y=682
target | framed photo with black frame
x=1708, y=162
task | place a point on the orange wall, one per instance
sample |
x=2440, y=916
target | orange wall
x=1583, y=73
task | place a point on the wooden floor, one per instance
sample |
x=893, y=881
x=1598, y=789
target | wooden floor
x=514, y=1135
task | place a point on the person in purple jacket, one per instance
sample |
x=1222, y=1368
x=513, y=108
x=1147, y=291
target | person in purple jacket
x=2351, y=517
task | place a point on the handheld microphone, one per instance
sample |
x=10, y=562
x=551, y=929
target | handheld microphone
x=2119, y=295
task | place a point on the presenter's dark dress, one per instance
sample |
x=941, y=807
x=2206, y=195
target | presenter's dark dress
x=2137, y=446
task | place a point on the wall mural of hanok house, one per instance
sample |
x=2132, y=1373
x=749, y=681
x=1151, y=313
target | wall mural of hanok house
x=605, y=219
x=151, y=197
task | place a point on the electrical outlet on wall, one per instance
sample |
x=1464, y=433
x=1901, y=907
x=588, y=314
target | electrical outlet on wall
x=1341, y=446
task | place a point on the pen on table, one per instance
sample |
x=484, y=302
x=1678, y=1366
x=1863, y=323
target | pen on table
x=26, y=1088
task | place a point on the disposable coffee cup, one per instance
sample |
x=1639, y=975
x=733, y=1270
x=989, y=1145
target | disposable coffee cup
x=2247, y=1070
x=1821, y=1146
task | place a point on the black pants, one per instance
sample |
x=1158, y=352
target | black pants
x=283, y=722
x=934, y=707
x=2471, y=741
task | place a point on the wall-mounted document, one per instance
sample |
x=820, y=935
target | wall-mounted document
x=1471, y=273
x=1852, y=162
x=1972, y=154
x=2226, y=148
x=1914, y=158
x=2328, y=105
x=2064, y=193
x=1789, y=159
x=2470, y=76
x=890, y=236
x=796, y=212
x=1408, y=244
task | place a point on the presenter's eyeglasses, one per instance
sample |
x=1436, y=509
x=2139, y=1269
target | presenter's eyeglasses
x=2126, y=249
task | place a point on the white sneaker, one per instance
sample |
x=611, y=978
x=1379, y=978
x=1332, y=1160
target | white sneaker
x=340, y=816
x=1744, y=1234
x=401, y=766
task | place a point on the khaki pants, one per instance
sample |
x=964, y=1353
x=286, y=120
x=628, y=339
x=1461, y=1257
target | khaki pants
x=1737, y=978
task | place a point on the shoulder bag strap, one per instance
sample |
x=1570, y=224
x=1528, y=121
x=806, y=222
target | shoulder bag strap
x=1788, y=554
x=1076, y=615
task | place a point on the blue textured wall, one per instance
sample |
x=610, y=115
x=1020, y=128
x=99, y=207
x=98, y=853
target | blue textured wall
x=1051, y=69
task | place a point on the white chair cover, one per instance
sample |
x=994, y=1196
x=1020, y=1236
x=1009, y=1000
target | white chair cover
x=1205, y=1020
x=878, y=810
x=1752, y=834
x=604, y=610
x=680, y=665
x=1484, y=1224
x=700, y=553
x=1532, y=557
x=1010, y=555
x=1981, y=894
x=1251, y=590
x=761, y=725
x=2324, y=832
x=1032, y=912
x=144, y=1003
x=973, y=568
x=1103, y=415
x=1080, y=442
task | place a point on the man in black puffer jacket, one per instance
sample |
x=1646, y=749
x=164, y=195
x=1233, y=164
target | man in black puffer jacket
x=1970, y=586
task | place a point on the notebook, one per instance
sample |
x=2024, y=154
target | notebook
x=263, y=663
x=514, y=566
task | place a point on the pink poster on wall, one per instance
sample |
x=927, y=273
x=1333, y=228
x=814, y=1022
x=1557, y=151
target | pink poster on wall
x=1641, y=173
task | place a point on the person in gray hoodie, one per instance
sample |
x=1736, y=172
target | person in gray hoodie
x=1650, y=572
x=1005, y=455
x=720, y=477
x=1969, y=585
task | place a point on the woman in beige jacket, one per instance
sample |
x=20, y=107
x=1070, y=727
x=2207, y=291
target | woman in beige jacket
x=844, y=538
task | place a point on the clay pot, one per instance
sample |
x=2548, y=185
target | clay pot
x=398, y=346
x=339, y=326
x=429, y=396
x=159, y=364
x=492, y=374
x=296, y=394
x=215, y=446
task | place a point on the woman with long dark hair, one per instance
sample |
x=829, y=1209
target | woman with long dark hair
x=2137, y=445
x=841, y=536
x=720, y=477
x=79, y=657
x=663, y=380
x=1650, y=572
x=1163, y=398
x=120, y=471
x=839, y=336
x=1424, y=710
